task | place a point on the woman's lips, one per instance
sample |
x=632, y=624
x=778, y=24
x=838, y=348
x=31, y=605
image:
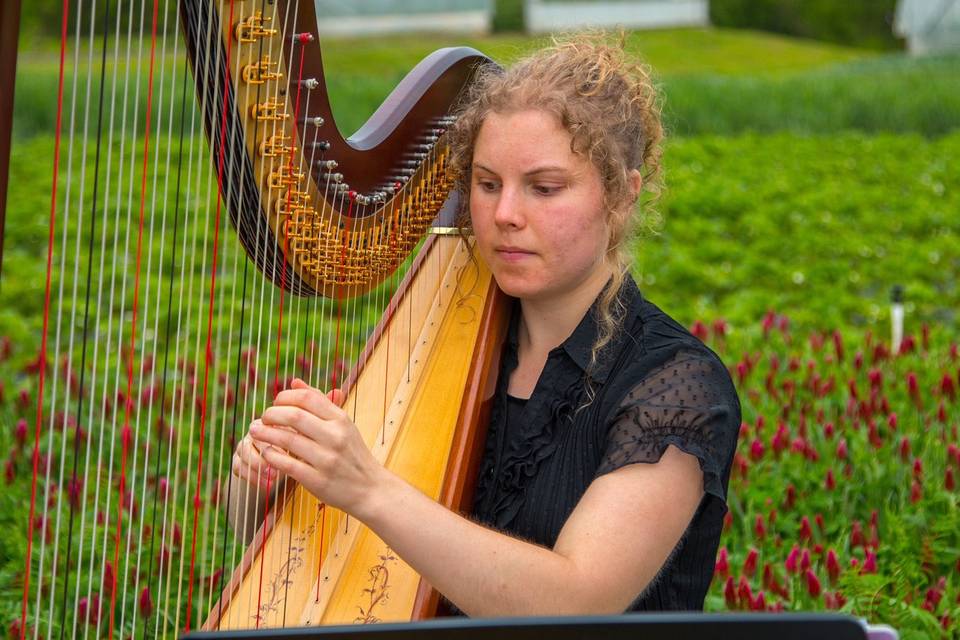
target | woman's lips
x=513, y=254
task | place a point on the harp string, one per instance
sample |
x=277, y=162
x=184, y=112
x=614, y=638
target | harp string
x=195, y=172
x=270, y=387
x=297, y=300
x=237, y=403
x=245, y=356
x=145, y=391
x=208, y=584
x=127, y=433
x=46, y=317
x=57, y=364
x=100, y=281
x=186, y=366
x=208, y=354
x=277, y=385
x=108, y=568
x=163, y=558
x=307, y=363
x=159, y=427
x=81, y=488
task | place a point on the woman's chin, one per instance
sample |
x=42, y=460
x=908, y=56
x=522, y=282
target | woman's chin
x=517, y=286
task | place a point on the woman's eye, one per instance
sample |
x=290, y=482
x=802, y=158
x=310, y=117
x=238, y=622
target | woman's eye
x=545, y=190
x=487, y=185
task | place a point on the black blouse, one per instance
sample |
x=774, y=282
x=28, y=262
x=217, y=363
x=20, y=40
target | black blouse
x=653, y=385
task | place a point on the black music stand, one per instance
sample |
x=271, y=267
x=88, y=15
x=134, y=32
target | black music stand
x=647, y=626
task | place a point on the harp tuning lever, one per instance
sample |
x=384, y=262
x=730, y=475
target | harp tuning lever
x=260, y=72
x=269, y=110
x=253, y=28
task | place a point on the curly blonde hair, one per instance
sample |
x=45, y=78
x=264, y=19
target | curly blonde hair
x=608, y=102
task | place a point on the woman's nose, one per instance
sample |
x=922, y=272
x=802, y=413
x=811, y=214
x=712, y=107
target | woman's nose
x=509, y=208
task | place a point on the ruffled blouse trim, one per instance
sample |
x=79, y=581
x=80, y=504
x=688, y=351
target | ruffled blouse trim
x=524, y=454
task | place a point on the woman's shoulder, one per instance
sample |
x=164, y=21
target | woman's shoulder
x=658, y=339
x=671, y=389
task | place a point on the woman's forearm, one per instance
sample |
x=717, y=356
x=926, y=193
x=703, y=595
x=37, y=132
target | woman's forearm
x=483, y=572
x=611, y=546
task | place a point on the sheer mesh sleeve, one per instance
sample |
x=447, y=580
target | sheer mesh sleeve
x=689, y=402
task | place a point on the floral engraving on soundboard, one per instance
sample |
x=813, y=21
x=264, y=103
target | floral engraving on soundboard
x=275, y=589
x=378, y=591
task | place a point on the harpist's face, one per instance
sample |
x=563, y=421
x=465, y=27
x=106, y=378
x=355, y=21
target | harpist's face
x=537, y=207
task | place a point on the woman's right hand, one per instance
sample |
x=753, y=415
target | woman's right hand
x=249, y=465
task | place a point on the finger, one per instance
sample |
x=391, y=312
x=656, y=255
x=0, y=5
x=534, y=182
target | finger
x=291, y=441
x=294, y=418
x=313, y=400
x=261, y=482
x=248, y=463
x=252, y=477
x=290, y=466
x=337, y=396
x=249, y=451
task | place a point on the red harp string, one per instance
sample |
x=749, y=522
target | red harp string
x=46, y=321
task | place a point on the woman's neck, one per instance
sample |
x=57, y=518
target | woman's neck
x=547, y=322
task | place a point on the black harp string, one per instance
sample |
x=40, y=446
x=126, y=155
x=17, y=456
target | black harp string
x=89, y=272
x=210, y=101
x=166, y=340
x=240, y=366
x=148, y=361
x=246, y=358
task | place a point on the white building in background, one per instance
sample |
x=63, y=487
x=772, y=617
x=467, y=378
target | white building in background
x=929, y=26
x=373, y=17
x=544, y=16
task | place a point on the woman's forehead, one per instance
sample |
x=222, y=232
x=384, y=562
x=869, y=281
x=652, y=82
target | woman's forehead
x=532, y=139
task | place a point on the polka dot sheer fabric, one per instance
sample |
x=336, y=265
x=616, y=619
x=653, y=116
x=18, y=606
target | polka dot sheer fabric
x=682, y=402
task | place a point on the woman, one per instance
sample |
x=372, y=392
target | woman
x=604, y=478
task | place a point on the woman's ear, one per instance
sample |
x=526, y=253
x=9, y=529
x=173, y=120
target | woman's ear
x=635, y=180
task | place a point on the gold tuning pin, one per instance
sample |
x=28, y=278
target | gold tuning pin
x=291, y=202
x=275, y=146
x=260, y=72
x=273, y=110
x=252, y=28
x=282, y=177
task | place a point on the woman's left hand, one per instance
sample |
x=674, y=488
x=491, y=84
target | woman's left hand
x=314, y=442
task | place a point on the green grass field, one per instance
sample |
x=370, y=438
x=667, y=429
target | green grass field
x=716, y=82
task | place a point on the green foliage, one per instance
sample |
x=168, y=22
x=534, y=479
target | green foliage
x=860, y=23
x=508, y=15
x=838, y=455
x=821, y=225
x=42, y=20
x=892, y=93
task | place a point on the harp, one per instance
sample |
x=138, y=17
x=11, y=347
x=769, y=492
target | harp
x=212, y=235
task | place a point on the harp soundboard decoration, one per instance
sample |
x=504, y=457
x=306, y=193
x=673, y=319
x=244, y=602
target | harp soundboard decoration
x=213, y=235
